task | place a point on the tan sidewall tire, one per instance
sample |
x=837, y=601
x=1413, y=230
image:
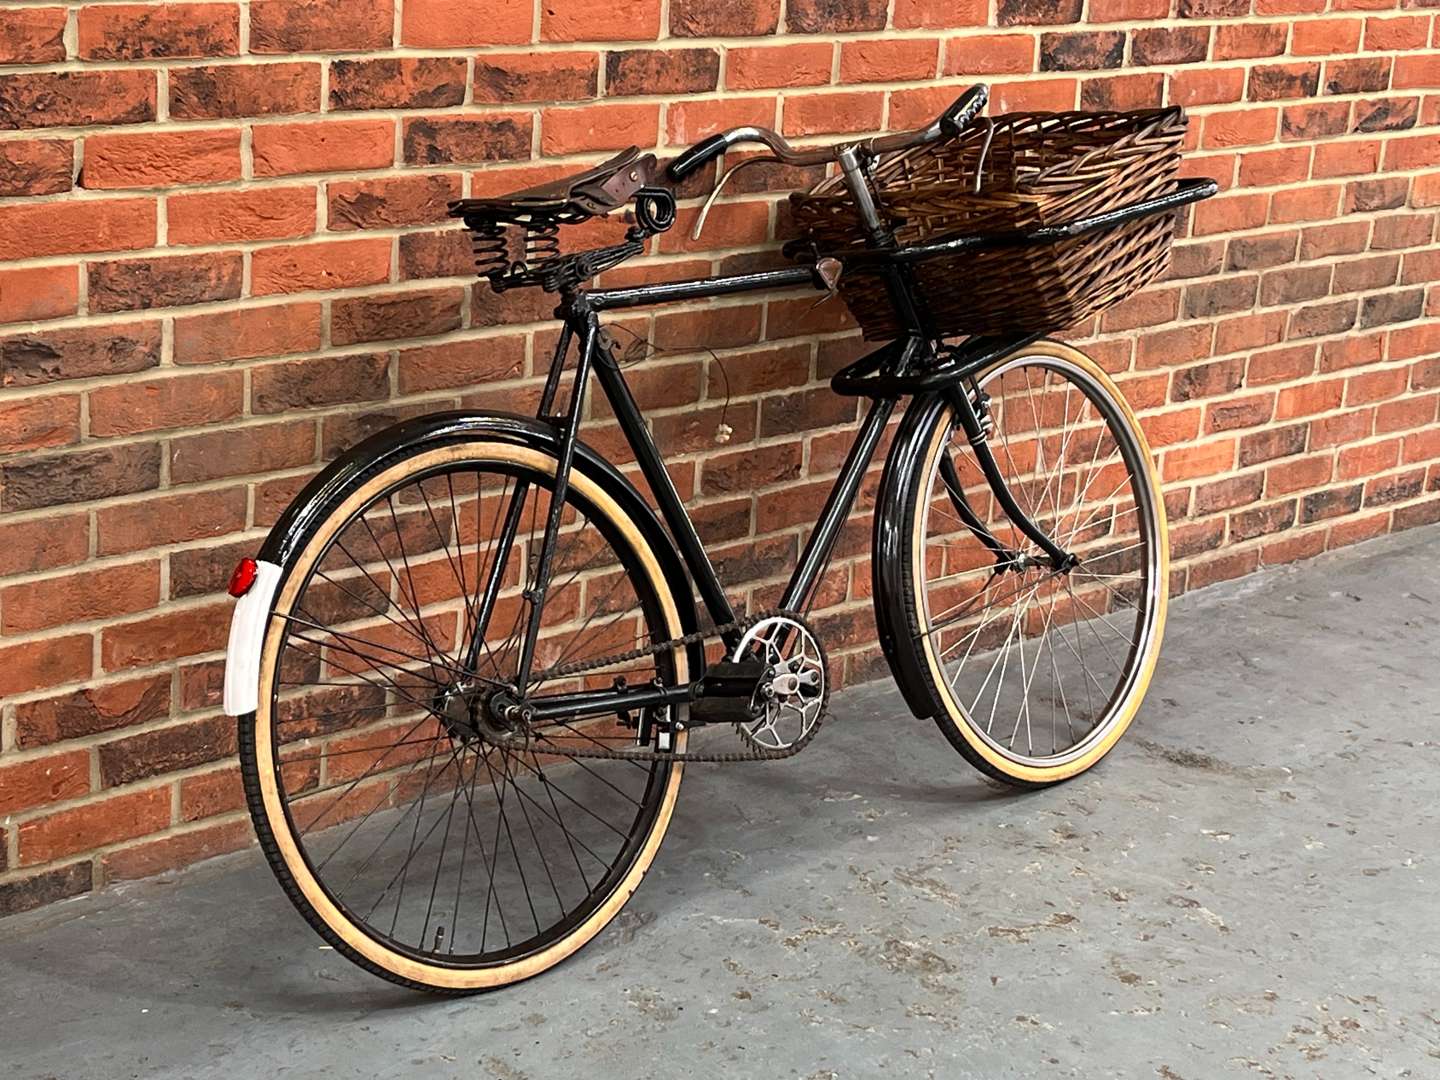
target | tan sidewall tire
x=954, y=718
x=397, y=964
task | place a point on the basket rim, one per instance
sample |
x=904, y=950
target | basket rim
x=832, y=189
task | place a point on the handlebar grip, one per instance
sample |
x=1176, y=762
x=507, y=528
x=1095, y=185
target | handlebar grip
x=966, y=107
x=697, y=156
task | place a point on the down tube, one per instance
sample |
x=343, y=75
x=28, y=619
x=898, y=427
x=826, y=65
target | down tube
x=652, y=466
x=818, y=548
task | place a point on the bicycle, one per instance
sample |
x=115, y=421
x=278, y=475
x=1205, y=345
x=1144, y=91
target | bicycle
x=468, y=664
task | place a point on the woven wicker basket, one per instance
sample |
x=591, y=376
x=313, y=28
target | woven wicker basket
x=1012, y=173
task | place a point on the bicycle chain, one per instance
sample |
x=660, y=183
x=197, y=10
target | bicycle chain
x=755, y=753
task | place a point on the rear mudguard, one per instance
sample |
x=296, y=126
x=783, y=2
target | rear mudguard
x=334, y=483
x=889, y=562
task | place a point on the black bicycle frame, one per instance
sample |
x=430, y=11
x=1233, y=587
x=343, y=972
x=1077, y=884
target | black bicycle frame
x=909, y=365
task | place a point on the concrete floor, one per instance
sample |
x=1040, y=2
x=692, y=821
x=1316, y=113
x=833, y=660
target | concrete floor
x=1247, y=886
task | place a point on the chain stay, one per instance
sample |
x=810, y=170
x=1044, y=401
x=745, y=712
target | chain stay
x=697, y=637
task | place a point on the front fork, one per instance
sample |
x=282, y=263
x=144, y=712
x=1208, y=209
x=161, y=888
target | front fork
x=971, y=408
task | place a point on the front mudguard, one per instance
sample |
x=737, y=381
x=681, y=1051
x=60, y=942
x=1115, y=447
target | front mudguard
x=339, y=478
x=890, y=558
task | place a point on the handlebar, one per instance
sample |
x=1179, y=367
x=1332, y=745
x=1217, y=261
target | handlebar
x=951, y=122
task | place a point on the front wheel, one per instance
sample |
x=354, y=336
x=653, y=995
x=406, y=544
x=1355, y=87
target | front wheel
x=1032, y=672
x=419, y=835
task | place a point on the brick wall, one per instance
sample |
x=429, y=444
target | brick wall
x=224, y=256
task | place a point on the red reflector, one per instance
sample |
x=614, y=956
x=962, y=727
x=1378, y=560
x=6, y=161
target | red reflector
x=243, y=577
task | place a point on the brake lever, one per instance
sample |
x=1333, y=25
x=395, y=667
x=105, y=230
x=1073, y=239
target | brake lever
x=715, y=191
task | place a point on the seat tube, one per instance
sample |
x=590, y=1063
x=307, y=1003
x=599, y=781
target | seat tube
x=569, y=435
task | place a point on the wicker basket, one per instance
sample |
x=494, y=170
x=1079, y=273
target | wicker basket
x=1033, y=169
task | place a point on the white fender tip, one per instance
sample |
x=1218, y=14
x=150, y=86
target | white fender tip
x=247, y=635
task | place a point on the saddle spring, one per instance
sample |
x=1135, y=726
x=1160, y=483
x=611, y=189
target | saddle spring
x=518, y=248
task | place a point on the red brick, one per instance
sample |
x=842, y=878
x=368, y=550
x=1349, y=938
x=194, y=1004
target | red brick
x=223, y=91
x=161, y=159
x=990, y=54
x=76, y=98
x=598, y=127
x=97, y=824
x=1246, y=41
x=1401, y=33
x=938, y=14
x=321, y=25
x=888, y=61
x=169, y=519
x=391, y=202
x=1245, y=127
x=410, y=314
x=1304, y=204
x=104, y=472
x=407, y=82
x=168, y=852
x=1039, y=95
x=817, y=114
x=329, y=380
x=461, y=363
x=155, y=404
x=698, y=118
x=36, y=665
x=323, y=146
x=1228, y=213
x=442, y=139
x=80, y=597
x=36, y=423
x=1317, y=37
x=247, y=332
x=1284, y=165
x=154, y=31
x=661, y=71
x=1309, y=399
x=1122, y=92
x=580, y=20
x=36, y=166
x=523, y=76
x=211, y=793
x=43, y=543
x=167, y=636
x=47, y=356
x=1361, y=75
x=828, y=17
x=134, y=284
x=1206, y=86
x=50, y=779
x=220, y=217
x=42, y=292
x=1416, y=71
x=1169, y=45
x=1315, y=120
x=334, y=264
x=450, y=24
x=735, y=18
x=32, y=36
x=760, y=68
x=238, y=451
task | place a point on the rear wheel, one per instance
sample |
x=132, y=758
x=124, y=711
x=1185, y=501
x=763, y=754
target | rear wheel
x=418, y=832
x=1035, y=673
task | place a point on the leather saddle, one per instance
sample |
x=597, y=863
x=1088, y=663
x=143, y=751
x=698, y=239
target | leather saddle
x=596, y=191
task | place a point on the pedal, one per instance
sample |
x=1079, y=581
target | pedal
x=730, y=692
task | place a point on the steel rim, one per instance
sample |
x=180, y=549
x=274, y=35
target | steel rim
x=420, y=663
x=1095, y=636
